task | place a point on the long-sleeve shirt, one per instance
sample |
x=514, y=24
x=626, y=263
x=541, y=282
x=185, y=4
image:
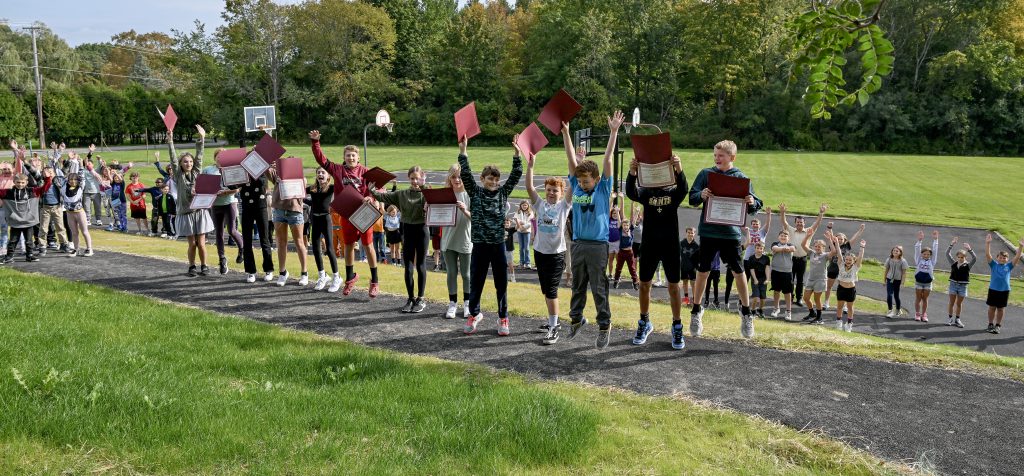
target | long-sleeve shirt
x=712, y=230
x=22, y=204
x=487, y=207
x=319, y=202
x=156, y=195
x=344, y=176
x=71, y=198
x=185, y=181
x=660, y=206
x=923, y=265
x=409, y=202
x=960, y=273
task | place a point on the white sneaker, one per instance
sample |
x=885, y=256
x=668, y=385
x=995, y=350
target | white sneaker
x=88, y=252
x=848, y=327
x=789, y=316
x=321, y=282
x=776, y=312
x=268, y=277
x=839, y=324
x=890, y=314
x=452, y=307
x=513, y=278
x=303, y=280
x=336, y=283
x=282, y=279
x=465, y=309
x=250, y=278
x=826, y=307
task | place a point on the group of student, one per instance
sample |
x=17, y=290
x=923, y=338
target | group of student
x=575, y=228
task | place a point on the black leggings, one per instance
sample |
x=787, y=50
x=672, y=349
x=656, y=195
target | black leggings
x=322, y=228
x=799, y=269
x=256, y=218
x=226, y=215
x=488, y=256
x=414, y=253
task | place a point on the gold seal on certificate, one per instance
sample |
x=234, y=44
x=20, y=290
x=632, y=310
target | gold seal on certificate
x=364, y=217
x=441, y=214
x=656, y=175
x=293, y=188
x=235, y=175
x=200, y=202
x=725, y=211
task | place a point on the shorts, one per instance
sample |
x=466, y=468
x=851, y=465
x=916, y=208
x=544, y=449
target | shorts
x=832, y=272
x=846, y=294
x=394, y=237
x=782, y=282
x=138, y=213
x=688, y=274
x=613, y=247
x=927, y=286
x=759, y=291
x=351, y=234
x=508, y=256
x=656, y=253
x=728, y=252
x=997, y=299
x=549, y=272
x=958, y=289
x=287, y=216
x=815, y=286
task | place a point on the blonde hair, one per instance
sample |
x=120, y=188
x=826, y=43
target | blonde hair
x=454, y=171
x=727, y=146
x=350, y=148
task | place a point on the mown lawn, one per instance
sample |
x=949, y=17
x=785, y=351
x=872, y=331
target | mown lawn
x=97, y=381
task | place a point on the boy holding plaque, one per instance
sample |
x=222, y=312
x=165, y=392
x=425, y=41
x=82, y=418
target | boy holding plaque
x=720, y=230
x=414, y=237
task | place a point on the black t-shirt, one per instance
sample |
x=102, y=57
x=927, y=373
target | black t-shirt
x=661, y=222
x=510, y=238
x=757, y=267
x=688, y=253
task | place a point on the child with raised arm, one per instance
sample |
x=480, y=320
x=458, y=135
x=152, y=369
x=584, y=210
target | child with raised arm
x=21, y=203
x=253, y=197
x=999, y=283
x=959, y=278
x=924, y=260
x=895, y=275
x=833, y=267
x=457, y=246
x=591, y=207
x=796, y=236
x=660, y=246
x=488, y=200
x=350, y=174
x=815, y=278
x=78, y=222
x=414, y=235
x=846, y=293
x=782, y=274
x=550, y=246
x=287, y=217
x=193, y=224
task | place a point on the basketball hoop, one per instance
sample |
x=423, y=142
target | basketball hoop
x=390, y=126
x=383, y=118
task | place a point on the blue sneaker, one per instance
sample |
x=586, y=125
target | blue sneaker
x=677, y=337
x=643, y=329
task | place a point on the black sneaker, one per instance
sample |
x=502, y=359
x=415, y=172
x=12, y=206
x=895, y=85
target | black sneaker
x=418, y=306
x=798, y=304
x=7, y=259
x=991, y=327
x=223, y=265
x=204, y=270
x=31, y=258
x=995, y=330
x=407, y=308
x=41, y=251
x=63, y=248
x=574, y=328
x=603, y=337
x=615, y=285
x=810, y=316
x=239, y=259
x=192, y=271
x=552, y=337
x=636, y=286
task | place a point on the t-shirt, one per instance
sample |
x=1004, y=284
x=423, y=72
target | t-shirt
x=614, y=232
x=590, y=210
x=661, y=205
x=711, y=230
x=757, y=267
x=1000, y=276
x=459, y=238
x=688, y=253
x=848, y=275
x=895, y=268
x=510, y=238
x=638, y=232
x=782, y=262
x=755, y=238
x=816, y=264
x=625, y=241
x=550, y=226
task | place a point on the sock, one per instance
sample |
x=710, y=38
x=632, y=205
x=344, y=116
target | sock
x=553, y=320
x=348, y=273
x=282, y=272
x=336, y=276
x=745, y=310
x=645, y=317
x=304, y=273
x=696, y=308
x=465, y=297
x=849, y=320
x=677, y=322
x=452, y=297
x=373, y=275
x=686, y=295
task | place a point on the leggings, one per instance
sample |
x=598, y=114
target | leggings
x=16, y=236
x=93, y=203
x=78, y=223
x=492, y=256
x=713, y=281
x=226, y=215
x=799, y=268
x=322, y=225
x=457, y=264
x=414, y=254
x=380, y=247
x=625, y=256
x=728, y=286
x=255, y=219
x=892, y=293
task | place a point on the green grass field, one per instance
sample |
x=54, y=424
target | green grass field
x=97, y=381
x=954, y=191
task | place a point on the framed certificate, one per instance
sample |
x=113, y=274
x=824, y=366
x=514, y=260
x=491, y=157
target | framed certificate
x=441, y=214
x=201, y=202
x=254, y=164
x=293, y=188
x=725, y=211
x=656, y=175
x=364, y=217
x=234, y=175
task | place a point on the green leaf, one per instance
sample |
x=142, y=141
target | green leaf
x=839, y=60
x=813, y=98
x=863, y=97
x=818, y=77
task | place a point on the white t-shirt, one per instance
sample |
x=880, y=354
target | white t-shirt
x=551, y=226
x=797, y=238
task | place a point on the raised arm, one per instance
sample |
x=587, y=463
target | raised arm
x=530, y=189
x=970, y=251
x=570, y=154
x=768, y=221
x=318, y=152
x=466, y=173
x=200, y=147
x=632, y=192
x=860, y=231
x=782, y=216
x=860, y=256
x=1020, y=252
x=988, y=248
x=949, y=251
x=821, y=214
x=807, y=239
x=679, y=193
x=917, y=248
x=516, y=173
x=614, y=123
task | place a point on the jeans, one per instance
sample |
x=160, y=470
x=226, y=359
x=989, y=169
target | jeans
x=892, y=293
x=226, y=216
x=379, y=246
x=524, y=248
x=3, y=229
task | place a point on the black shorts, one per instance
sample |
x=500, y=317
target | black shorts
x=759, y=291
x=549, y=272
x=728, y=252
x=655, y=252
x=832, y=272
x=782, y=282
x=997, y=299
x=846, y=294
x=393, y=237
x=688, y=273
x=138, y=213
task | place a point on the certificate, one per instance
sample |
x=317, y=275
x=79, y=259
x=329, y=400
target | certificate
x=441, y=214
x=725, y=211
x=365, y=217
x=656, y=175
x=294, y=188
x=235, y=175
x=255, y=165
x=200, y=202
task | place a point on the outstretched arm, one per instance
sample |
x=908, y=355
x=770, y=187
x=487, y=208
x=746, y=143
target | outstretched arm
x=614, y=123
x=465, y=172
x=530, y=189
x=517, y=170
x=200, y=146
x=988, y=248
x=860, y=257
x=570, y=154
x=821, y=214
x=1020, y=252
x=856, y=236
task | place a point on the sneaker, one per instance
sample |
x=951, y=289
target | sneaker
x=503, y=327
x=418, y=306
x=282, y=279
x=72, y=253
x=760, y=313
x=471, y=323
x=957, y=322
x=303, y=279
x=513, y=278
x=949, y=321
x=825, y=307
x=321, y=282
x=615, y=284
x=891, y=314
x=817, y=320
x=204, y=270
x=407, y=308
x=990, y=328
x=636, y=285
x=465, y=309
x=450, y=313
x=848, y=326
x=192, y=271
x=659, y=284
x=88, y=252
x=250, y=278
x=239, y=259
x=109, y=228
x=374, y=290
x=839, y=324
x=603, y=336
x=677, y=337
x=574, y=328
x=223, y=267
x=788, y=317
x=798, y=303
x=8, y=259
x=924, y=317
x=917, y=316
x=747, y=326
x=643, y=329
x=686, y=300
x=552, y=336
x=336, y=283
x=63, y=248
x=997, y=328
x=350, y=284
x=31, y=258
x=268, y=277
x=776, y=312
x=697, y=323
x=810, y=316
x=163, y=235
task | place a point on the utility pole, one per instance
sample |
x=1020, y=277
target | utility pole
x=39, y=87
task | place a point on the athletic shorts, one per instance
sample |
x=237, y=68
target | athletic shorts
x=846, y=294
x=815, y=286
x=613, y=247
x=549, y=272
x=688, y=274
x=832, y=272
x=351, y=234
x=958, y=289
x=508, y=256
x=728, y=252
x=759, y=291
x=997, y=299
x=782, y=282
x=656, y=253
x=138, y=213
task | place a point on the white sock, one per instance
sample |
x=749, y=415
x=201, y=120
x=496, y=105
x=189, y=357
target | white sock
x=323, y=274
x=553, y=320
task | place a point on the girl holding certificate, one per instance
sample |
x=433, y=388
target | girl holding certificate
x=287, y=217
x=414, y=236
x=456, y=245
x=192, y=224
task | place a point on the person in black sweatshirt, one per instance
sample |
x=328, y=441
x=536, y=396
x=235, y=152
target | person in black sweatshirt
x=253, y=198
x=319, y=196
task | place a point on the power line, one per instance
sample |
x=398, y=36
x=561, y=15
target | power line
x=93, y=73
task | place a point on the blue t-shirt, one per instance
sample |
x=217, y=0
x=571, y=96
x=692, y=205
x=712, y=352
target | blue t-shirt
x=590, y=211
x=614, y=233
x=1000, y=280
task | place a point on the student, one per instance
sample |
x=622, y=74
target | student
x=253, y=197
x=165, y=172
x=457, y=246
x=319, y=196
x=225, y=215
x=999, y=283
x=550, y=246
x=6, y=182
x=591, y=207
x=393, y=230
x=22, y=206
x=523, y=221
x=71, y=199
x=156, y=198
x=757, y=267
x=661, y=247
x=846, y=293
x=757, y=234
x=510, y=247
x=689, y=252
x=288, y=217
x=350, y=174
x=118, y=201
x=137, y=202
x=895, y=275
x=614, y=233
x=833, y=267
x=924, y=260
x=796, y=236
x=625, y=257
x=721, y=239
x=959, y=277
x=193, y=224
x=487, y=201
x=782, y=274
x=414, y=236
x=51, y=213
x=435, y=245
x=816, y=278
x=714, y=276
x=379, y=246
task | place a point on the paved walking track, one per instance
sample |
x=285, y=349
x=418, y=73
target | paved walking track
x=958, y=422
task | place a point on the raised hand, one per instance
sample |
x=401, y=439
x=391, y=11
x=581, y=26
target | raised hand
x=202, y=132
x=634, y=166
x=863, y=243
x=463, y=145
x=615, y=121
x=62, y=146
x=988, y=238
x=314, y=135
x=515, y=145
x=823, y=207
x=14, y=144
x=677, y=164
x=565, y=127
x=860, y=229
x=92, y=147
x=935, y=234
x=967, y=246
x=955, y=239
x=920, y=236
x=782, y=208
